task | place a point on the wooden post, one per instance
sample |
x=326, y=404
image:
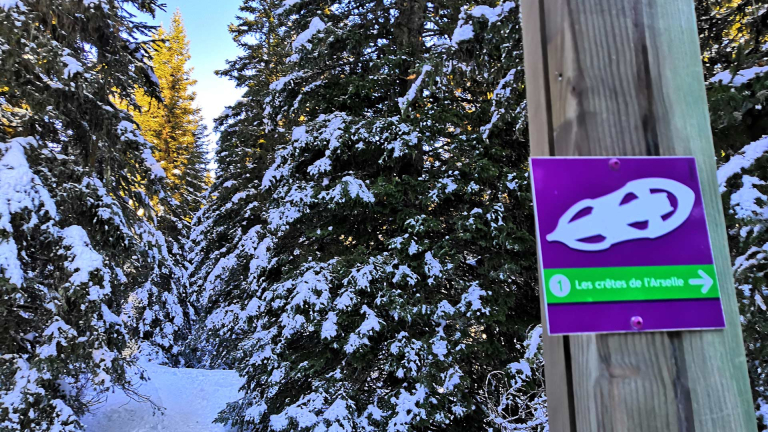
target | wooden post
x=624, y=78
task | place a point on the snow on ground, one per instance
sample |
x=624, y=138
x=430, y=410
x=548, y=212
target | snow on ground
x=191, y=397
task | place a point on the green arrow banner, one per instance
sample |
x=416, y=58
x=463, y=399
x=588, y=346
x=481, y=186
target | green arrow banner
x=606, y=284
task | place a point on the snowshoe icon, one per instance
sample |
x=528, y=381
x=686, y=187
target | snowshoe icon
x=641, y=209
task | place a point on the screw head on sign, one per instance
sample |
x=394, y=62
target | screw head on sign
x=637, y=322
x=614, y=164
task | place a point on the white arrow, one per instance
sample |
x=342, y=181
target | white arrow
x=705, y=282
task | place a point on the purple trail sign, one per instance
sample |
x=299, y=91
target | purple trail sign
x=624, y=245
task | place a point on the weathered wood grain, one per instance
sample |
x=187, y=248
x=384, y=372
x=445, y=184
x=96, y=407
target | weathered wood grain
x=624, y=78
x=556, y=367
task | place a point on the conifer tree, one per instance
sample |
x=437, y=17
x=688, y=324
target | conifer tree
x=382, y=268
x=77, y=224
x=733, y=40
x=159, y=312
x=174, y=125
x=223, y=229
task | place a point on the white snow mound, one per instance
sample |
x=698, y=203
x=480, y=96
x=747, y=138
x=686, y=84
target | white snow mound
x=192, y=399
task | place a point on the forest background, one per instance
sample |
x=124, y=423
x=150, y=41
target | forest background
x=363, y=255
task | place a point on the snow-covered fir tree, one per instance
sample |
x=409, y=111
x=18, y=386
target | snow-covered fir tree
x=381, y=268
x=77, y=220
x=733, y=40
x=174, y=125
x=365, y=257
x=160, y=312
x=222, y=235
x=515, y=398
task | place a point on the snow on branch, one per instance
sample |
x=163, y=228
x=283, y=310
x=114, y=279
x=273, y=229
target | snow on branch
x=8, y=4
x=303, y=38
x=72, y=66
x=83, y=260
x=491, y=14
x=20, y=190
x=741, y=77
x=514, y=398
x=744, y=159
x=353, y=187
x=405, y=100
x=465, y=30
x=744, y=201
x=286, y=5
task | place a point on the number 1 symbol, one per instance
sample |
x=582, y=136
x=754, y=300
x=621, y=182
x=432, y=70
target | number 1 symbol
x=559, y=285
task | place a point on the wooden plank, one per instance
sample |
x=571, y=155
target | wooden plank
x=624, y=77
x=715, y=361
x=599, y=106
x=556, y=367
x=536, y=83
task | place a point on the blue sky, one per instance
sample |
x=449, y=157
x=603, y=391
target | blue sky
x=206, y=23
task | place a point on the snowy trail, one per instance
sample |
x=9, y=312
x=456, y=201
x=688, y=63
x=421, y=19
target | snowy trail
x=191, y=397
